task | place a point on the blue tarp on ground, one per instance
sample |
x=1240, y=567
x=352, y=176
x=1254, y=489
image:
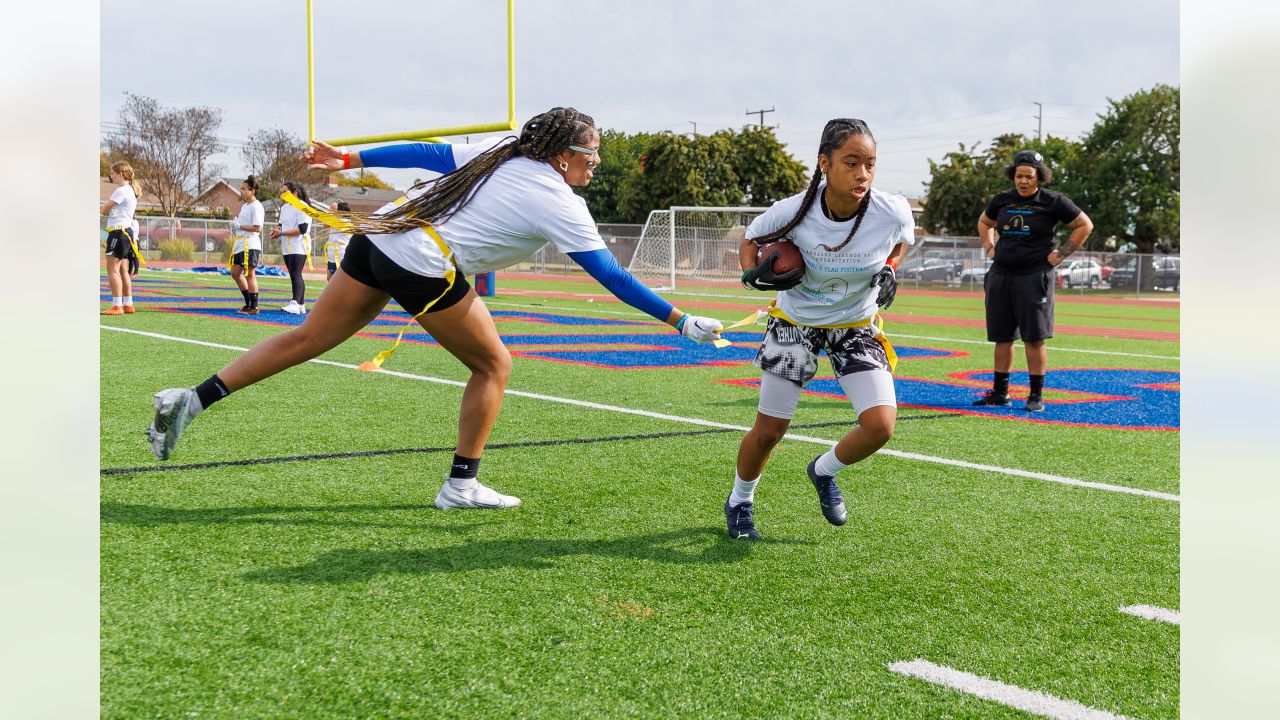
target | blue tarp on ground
x=267, y=270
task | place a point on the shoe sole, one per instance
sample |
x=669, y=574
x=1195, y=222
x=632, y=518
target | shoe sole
x=444, y=505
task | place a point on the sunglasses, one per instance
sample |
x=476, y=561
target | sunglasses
x=585, y=151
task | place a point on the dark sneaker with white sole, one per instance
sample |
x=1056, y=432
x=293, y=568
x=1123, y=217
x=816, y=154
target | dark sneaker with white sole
x=742, y=524
x=993, y=399
x=1035, y=404
x=829, y=495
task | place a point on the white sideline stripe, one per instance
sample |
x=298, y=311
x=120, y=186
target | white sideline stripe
x=704, y=423
x=1056, y=348
x=1151, y=612
x=1031, y=701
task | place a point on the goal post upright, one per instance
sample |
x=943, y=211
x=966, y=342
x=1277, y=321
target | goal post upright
x=429, y=134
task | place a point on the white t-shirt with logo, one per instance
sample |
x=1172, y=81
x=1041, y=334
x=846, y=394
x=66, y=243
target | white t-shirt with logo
x=251, y=213
x=290, y=218
x=335, y=245
x=121, y=215
x=524, y=205
x=836, y=289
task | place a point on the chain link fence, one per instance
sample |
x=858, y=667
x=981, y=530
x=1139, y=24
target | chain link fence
x=204, y=241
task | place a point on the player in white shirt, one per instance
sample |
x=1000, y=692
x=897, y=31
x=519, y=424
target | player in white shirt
x=335, y=245
x=851, y=240
x=295, y=246
x=121, y=241
x=246, y=250
x=497, y=204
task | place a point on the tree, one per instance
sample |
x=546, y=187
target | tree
x=1128, y=167
x=620, y=155
x=272, y=157
x=366, y=179
x=677, y=170
x=766, y=172
x=166, y=147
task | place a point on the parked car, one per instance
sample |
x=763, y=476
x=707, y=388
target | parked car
x=1074, y=273
x=976, y=274
x=935, y=270
x=1166, y=270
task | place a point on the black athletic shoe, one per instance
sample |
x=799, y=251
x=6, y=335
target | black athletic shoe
x=244, y=310
x=993, y=398
x=1035, y=404
x=742, y=526
x=828, y=495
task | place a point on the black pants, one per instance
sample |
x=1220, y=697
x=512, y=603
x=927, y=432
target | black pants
x=295, y=263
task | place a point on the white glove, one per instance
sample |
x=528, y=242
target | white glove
x=701, y=329
x=235, y=227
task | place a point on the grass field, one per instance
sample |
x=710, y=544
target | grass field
x=316, y=579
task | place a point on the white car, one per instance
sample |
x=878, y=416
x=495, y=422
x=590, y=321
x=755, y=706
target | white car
x=1072, y=273
x=975, y=274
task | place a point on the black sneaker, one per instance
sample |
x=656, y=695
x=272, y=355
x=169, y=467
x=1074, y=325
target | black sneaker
x=1035, y=404
x=742, y=526
x=244, y=309
x=828, y=495
x=993, y=398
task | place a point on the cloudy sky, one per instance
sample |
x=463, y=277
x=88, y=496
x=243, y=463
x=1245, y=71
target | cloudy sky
x=925, y=75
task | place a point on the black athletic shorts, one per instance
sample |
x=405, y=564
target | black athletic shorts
x=1019, y=305
x=254, y=257
x=370, y=266
x=118, y=244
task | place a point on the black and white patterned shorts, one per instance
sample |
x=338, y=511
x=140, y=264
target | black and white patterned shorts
x=791, y=351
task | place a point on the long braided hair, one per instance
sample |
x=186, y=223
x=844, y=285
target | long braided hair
x=834, y=135
x=543, y=137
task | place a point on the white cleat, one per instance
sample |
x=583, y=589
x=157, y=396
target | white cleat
x=293, y=308
x=172, y=417
x=479, y=497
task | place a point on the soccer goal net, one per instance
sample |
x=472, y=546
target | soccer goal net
x=695, y=243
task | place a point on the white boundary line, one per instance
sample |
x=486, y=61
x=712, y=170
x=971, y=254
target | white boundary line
x=1056, y=348
x=706, y=423
x=1031, y=701
x=1151, y=612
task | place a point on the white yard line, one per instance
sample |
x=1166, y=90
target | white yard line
x=1151, y=612
x=1056, y=348
x=1032, y=701
x=704, y=423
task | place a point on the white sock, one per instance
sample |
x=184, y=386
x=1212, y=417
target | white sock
x=117, y=301
x=462, y=483
x=828, y=465
x=744, y=491
x=128, y=301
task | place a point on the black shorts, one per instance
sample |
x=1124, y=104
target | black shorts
x=1019, y=306
x=118, y=245
x=254, y=257
x=332, y=268
x=368, y=265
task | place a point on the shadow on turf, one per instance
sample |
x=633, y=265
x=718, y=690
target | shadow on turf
x=154, y=515
x=702, y=545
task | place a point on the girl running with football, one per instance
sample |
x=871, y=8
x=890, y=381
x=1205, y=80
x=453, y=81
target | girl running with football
x=851, y=239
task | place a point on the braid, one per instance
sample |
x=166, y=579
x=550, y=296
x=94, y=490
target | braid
x=542, y=138
x=833, y=136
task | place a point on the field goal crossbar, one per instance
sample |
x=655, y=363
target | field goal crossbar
x=692, y=241
x=429, y=134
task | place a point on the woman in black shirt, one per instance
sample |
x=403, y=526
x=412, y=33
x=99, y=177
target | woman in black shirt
x=1017, y=233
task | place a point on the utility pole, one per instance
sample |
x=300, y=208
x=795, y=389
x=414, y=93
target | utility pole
x=760, y=113
x=695, y=127
x=1039, y=121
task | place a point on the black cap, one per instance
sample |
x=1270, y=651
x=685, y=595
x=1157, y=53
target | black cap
x=1028, y=157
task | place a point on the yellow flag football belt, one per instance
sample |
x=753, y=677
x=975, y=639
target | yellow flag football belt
x=127, y=230
x=341, y=225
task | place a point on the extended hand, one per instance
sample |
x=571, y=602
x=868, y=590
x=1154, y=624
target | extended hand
x=701, y=329
x=762, y=276
x=887, y=281
x=323, y=156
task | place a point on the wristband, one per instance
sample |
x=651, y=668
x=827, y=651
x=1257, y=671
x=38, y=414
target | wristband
x=680, y=323
x=346, y=160
x=892, y=264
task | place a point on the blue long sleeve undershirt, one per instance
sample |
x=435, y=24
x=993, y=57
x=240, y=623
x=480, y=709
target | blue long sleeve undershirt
x=437, y=157
x=602, y=266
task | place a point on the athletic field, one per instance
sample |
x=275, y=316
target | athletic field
x=288, y=561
